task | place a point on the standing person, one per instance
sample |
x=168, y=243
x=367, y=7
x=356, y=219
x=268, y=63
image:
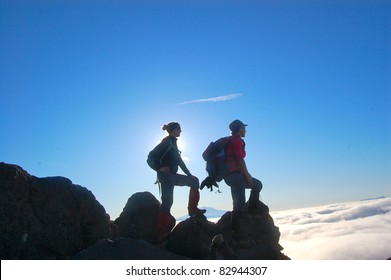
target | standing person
x=239, y=178
x=165, y=159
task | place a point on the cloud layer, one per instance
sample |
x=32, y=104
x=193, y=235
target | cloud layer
x=346, y=231
x=214, y=99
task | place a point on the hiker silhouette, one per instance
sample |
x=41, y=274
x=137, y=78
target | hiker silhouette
x=165, y=159
x=239, y=178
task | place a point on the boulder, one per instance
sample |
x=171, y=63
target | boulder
x=138, y=218
x=46, y=218
x=192, y=237
x=126, y=249
x=198, y=238
x=51, y=218
x=259, y=237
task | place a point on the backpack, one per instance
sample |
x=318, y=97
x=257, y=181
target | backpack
x=155, y=163
x=214, y=155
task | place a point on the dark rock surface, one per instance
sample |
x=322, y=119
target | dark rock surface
x=51, y=218
x=126, y=249
x=138, y=218
x=259, y=234
x=46, y=218
x=193, y=237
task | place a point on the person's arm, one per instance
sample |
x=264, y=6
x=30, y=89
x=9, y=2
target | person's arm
x=184, y=168
x=239, y=155
x=246, y=174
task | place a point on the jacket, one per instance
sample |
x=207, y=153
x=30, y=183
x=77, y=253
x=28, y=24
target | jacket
x=166, y=154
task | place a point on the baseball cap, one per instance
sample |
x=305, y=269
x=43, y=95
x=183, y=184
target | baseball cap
x=235, y=125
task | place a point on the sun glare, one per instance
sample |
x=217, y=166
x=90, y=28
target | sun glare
x=181, y=144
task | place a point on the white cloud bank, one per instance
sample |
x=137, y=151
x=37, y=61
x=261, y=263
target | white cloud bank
x=347, y=231
x=214, y=99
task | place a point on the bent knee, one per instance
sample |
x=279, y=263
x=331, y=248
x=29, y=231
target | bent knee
x=195, y=183
x=257, y=185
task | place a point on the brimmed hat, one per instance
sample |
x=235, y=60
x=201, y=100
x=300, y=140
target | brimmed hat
x=235, y=125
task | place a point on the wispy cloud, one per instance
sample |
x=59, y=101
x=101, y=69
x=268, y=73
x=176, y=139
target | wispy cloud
x=214, y=99
x=356, y=231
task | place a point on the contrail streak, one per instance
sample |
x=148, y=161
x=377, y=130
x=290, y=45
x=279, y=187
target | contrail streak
x=214, y=99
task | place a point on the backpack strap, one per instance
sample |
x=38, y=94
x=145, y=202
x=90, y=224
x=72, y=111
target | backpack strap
x=170, y=146
x=157, y=182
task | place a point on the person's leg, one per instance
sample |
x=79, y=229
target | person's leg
x=167, y=193
x=184, y=180
x=257, y=185
x=254, y=196
x=237, y=183
x=194, y=193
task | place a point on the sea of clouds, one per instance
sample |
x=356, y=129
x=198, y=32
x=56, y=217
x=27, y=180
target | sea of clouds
x=358, y=230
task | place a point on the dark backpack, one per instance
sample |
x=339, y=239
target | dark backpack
x=214, y=155
x=155, y=163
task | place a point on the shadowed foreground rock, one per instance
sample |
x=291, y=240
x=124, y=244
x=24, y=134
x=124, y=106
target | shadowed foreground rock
x=51, y=218
x=138, y=218
x=198, y=238
x=259, y=233
x=126, y=249
x=46, y=218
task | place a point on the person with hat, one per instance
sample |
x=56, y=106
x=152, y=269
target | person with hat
x=167, y=159
x=239, y=178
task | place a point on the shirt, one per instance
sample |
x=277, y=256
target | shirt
x=235, y=152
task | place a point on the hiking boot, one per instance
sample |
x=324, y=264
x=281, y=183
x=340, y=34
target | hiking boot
x=194, y=198
x=196, y=211
x=253, y=203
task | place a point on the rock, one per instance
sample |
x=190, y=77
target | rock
x=259, y=236
x=46, y=218
x=126, y=249
x=220, y=250
x=51, y=218
x=138, y=218
x=192, y=237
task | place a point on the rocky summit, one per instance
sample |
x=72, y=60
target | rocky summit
x=52, y=218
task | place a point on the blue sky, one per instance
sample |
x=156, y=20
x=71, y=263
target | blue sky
x=85, y=87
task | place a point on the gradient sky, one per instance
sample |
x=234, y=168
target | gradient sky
x=85, y=87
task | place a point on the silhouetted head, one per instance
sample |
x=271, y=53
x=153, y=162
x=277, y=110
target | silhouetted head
x=171, y=126
x=173, y=129
x=236, y=125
